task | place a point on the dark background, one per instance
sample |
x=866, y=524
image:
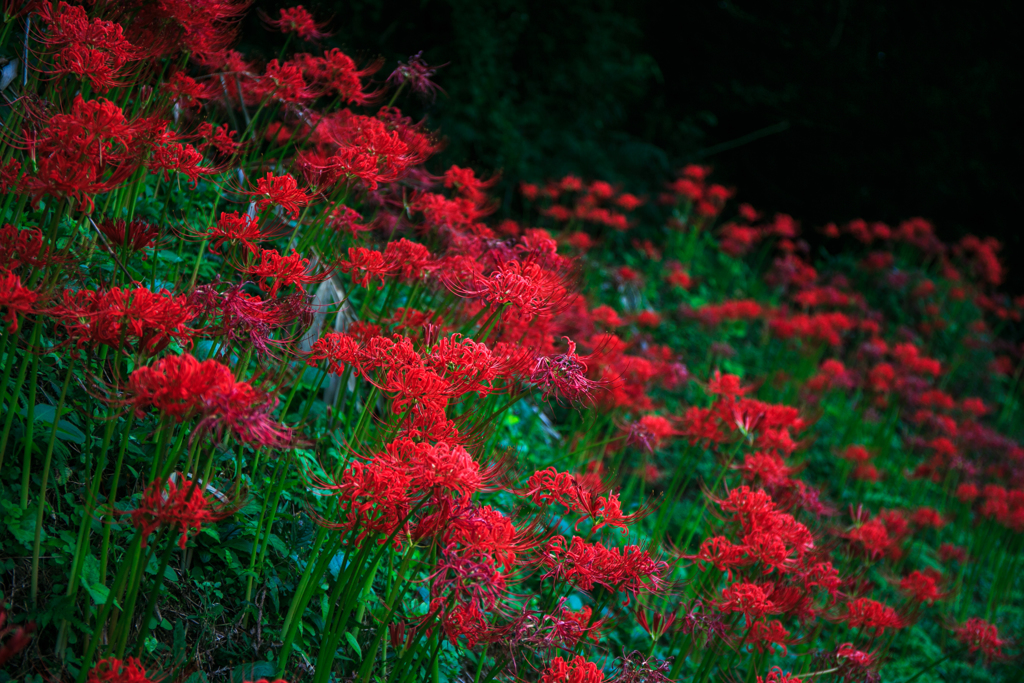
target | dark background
x=824, y=110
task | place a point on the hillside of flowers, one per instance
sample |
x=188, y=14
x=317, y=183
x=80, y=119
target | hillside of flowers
x=282, y=399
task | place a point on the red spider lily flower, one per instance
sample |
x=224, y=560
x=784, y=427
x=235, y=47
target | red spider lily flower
x=607, y=316
x=549, y=486
x=170, y=504
x=374, y=498
x=979, y=635
x=564, y=375
x=115, y=317
x=184, y=159
x=86, y=152
x=336, y=74
x=578, y=670
x=136, y=234
x=95, y=50
x=249, y=317
x=15, y=298
x=233, y=226
x=20, y=636
x=465, y=182
x=10, y=172
x=765, y=636
x=187, y=92
x=338, y=349
x=417, y=75
x=721, y=553
x=220, y=138
x=181, y=386
x=438, y=466
x=927, y=517
x=365, y=264
x=949, y=552
x=630, y=569
x=922, y=586
x=283, y=270
x=750, y=599
x=650, y=319
x=298, y=20
x=282, y=191
x=872, y=538
x=872, y=615
x=657, y=624
x=777, y=675
x=283, y=82
x=110, y=670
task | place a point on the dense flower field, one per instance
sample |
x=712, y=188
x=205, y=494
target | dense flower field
x=280, y=403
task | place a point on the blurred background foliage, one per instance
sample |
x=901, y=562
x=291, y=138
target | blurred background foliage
x=827, y=110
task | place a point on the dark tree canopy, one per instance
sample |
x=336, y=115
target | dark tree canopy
x=825, y=110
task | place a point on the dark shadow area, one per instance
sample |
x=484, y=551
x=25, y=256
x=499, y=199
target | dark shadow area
x=824, y=110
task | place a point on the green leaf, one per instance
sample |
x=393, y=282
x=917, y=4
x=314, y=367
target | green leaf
x=100, y=593
x=354, y=643
x=252, y=671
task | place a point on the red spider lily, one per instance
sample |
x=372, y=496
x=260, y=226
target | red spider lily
x=979, y=635
x=750, y=599
x=10, y=173
x=19, y=639
x=15, y=298
x=417, y=75
x=563, y=375
x=21, y=247
x=465, y=182
x=220, y=138
x=721, y=553
x=181, y=386
x=233, y=226
x=283, y=270
x=579, y=670
x=630, y=569
x=115, y=317
x=767, y=635
x=550, y=486
x=174, y=156
x=136, y=234
x=374, y=498
x=110, y=670
x=336, y=74
x=282, y=191
x=283, y=82
x=187, y=92
x=777, y=675
x=95, y=50
x=657, y=625
x=170, y=504
x=84, y=153
x=242, y=316
x=299, y=21
x=872, y=615
x=922, y=586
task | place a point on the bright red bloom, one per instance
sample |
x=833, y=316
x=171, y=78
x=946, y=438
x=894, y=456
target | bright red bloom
x=872, y=615
x=578, y=671
x=184, y=159
x=766, y=635
x=777, y=675
x=280, y=190
x=174, y=505
x=128, y=670
x=750, y=599
x=978, y=634
x=233, y=226
x=182, y=387
x=94, y=50
x=139, y=317
x=284, y=270
x=298, y=20
x=630, y=569
x=16, y=298
x=922, y=586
